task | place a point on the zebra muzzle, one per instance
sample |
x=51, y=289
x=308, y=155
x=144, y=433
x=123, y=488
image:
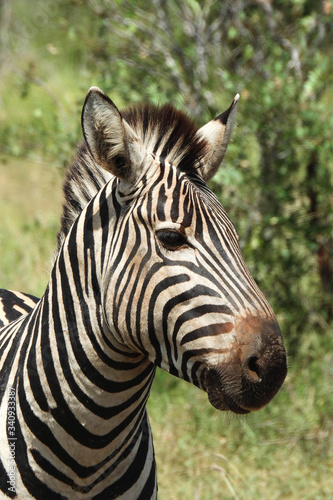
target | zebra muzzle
x=253, y=372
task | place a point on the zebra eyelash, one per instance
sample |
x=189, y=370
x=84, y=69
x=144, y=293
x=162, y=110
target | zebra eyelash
x=171, y=239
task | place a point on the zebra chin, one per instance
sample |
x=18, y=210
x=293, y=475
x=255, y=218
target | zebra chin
x=238, y=393
x=251, y=375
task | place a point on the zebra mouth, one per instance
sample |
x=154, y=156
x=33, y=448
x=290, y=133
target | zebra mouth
x=218, y=396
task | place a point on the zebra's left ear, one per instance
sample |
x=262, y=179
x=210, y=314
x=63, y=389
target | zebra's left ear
x=111, y=141
x=217, y=133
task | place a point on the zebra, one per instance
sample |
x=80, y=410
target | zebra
x=14, y=304
x=148, y=274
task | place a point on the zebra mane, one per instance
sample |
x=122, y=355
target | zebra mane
x=164, y=131
x=169, y=134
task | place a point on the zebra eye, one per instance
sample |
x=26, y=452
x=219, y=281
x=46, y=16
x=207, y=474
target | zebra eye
x=171, y=239
x=120, y=163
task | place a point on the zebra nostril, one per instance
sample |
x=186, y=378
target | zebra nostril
x=253, y=369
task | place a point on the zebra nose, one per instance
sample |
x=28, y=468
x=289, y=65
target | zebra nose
x=253, y=372
x=252, y=355
x=262, y=372
x=252, y=368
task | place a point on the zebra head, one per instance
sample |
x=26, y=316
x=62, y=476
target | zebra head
x=174, y=285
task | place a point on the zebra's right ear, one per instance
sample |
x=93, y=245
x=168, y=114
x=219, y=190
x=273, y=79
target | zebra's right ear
x=111, y=141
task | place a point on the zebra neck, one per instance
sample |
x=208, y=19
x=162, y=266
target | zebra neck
x=91, y=357
x=81, y=396
x=89, y=380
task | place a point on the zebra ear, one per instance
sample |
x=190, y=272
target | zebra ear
x=111, y=141
x=217, y=133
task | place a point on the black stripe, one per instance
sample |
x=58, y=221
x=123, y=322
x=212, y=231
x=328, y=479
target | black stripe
x=159, y=288
x=10, y=300
x=197, y=312
x=132, y=474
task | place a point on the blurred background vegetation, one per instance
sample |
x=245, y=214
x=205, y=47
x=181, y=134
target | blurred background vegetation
x=276, y=184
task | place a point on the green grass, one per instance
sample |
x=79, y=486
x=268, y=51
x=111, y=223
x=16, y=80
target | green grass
x=284, y=451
